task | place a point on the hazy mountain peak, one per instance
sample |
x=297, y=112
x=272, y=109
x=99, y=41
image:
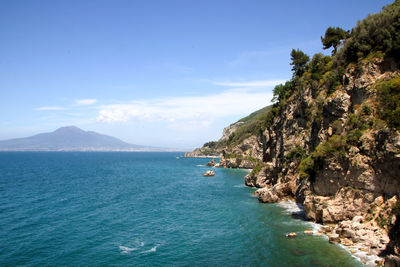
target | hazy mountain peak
x=71, y=138
x=69, y=129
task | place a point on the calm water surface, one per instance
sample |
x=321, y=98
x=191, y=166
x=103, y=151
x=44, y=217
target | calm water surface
x=143, y=209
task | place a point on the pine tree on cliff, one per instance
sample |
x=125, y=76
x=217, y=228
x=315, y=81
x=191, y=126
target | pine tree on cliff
x=299, y=61
x=333, y=38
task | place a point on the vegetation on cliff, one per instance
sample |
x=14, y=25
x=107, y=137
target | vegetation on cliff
x=331, y=139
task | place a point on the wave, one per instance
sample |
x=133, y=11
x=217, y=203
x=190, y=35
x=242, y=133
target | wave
x=153, y=249
x=291, y=206
x=239, y=185
x=200, y=165
x=297, y=209
x=127, y=250
x=363, y=256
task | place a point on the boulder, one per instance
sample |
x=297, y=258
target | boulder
x=291, y=235
x=309, y=232
x=268, y=195
x=333, y=238
x=209, y=173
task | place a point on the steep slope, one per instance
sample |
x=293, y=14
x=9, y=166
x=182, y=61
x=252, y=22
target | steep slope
x=332, y=139
x=67, y=138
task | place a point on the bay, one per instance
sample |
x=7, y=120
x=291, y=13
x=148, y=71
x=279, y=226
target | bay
x=143, y=209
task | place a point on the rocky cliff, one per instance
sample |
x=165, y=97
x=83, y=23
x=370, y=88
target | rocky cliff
x=332, y=142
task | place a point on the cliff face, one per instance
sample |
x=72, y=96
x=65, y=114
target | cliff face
x=332, y=139
x=355, y=157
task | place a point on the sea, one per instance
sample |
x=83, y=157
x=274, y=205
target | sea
x=145, y=209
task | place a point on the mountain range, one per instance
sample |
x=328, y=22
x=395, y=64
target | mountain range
x=71, y=138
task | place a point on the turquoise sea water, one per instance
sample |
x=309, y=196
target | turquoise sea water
x=143, y=209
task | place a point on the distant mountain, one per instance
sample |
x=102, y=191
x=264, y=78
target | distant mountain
x=71, y=138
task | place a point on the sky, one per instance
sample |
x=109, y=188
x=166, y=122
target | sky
x=167, y=73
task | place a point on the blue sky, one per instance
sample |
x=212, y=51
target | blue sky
x=163, y=73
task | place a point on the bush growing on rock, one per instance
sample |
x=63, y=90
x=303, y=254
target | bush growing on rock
x=378, y=32
x=333, y=149
x=389, y=101
x=297, y=154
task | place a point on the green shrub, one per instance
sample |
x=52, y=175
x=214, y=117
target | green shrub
x=333, y=79
x=366, y=110
x=389, y=101
x=356, y=121
x=377, y=32
x=396, y=208
x=333, y=149
x=353, y=137
x=337, y=127
x=307, y=168
x=382, y=221
x=295, y=154
x=256, y=170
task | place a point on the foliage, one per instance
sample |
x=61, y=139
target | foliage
x=296, y=154
x=367, y=110
x=238, y=156
x=337, y=127
x=396, y=208
x=377, y=32
x=333, y=79
x=211, y=144
x=389, y=101
x=356, y=121
x=282, y=91
x=256, y=170
x=255, y=114
x=333, y=37
x=353, y=137
x=333, y=149
x=299, y=61
x=307, y=168
x=319, y=65
x=382, y=220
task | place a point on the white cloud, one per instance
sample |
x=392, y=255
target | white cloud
x=257, y=83
x=50, y=108
x=194, y=110
x=85, y=102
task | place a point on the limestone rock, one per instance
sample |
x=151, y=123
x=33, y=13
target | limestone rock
x=291, y=235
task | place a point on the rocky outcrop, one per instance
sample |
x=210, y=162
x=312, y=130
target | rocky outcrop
x=229, y=130
x=242, y=163
x=354, y=184
x=201, y=153
x=260, y=179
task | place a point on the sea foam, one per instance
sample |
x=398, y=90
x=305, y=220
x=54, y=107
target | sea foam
x=153, y=249
x=126, y=250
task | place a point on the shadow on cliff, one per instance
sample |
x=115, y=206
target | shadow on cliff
x=391, y=253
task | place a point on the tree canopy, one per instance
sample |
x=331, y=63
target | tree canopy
x=333, y=37
x=299, y=61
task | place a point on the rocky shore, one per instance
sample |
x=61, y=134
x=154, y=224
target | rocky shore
x=351, y=187
x=331, y=140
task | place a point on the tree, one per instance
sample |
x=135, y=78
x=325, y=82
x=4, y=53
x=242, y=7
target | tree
x=299, y=61
x=282, y=91
x=333, y=37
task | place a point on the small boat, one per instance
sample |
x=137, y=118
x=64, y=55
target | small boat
x=209, y=173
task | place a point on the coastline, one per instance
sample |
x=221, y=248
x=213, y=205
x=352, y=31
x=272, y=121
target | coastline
x=358, y=250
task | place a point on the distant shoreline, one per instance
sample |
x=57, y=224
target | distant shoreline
x=88, y=150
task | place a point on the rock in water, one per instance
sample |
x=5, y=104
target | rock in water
x=209, y=173
x=309, y=232
x=291, y=235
